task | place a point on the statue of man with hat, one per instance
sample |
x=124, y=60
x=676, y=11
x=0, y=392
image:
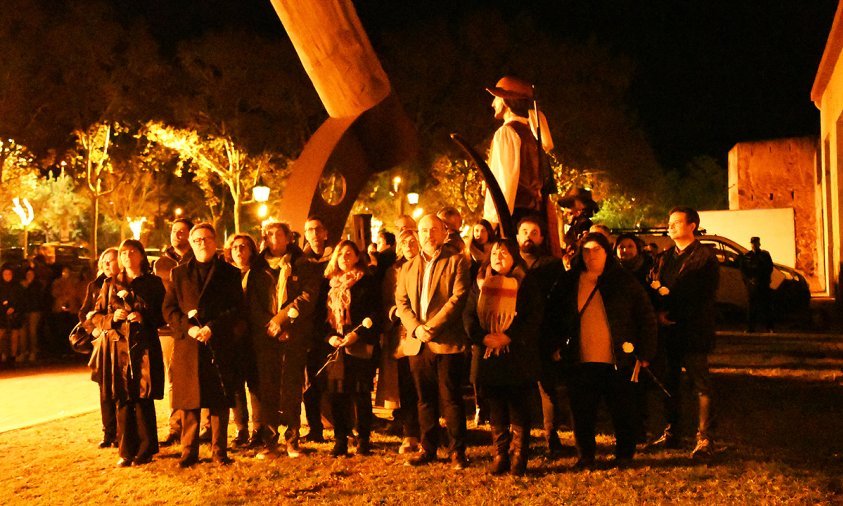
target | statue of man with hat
x=513, y=155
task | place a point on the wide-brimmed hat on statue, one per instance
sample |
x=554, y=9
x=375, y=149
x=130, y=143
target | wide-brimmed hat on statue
x=581, y=194
x=512, y=87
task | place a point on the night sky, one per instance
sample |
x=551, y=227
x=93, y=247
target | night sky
x=709, y=73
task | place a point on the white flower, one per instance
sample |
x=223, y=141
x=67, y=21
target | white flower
x=192, y=313
x=293, y=313
x=122, y=294
x=628, y=347
x=664, y=290
x=655, y=285
x=367, y=322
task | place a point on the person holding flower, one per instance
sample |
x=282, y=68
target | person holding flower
x=353, y=301
x=502, y=318
x=603, y=310
x=685, y=277
x=128, y=314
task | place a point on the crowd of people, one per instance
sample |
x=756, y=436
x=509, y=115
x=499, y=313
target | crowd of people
x=40, y=299
x=405, y=325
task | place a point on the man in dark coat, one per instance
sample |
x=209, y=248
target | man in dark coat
x=178, y=253
x=318, y=253
x=296, y=290
x=204, y=307
x=757, y=268
x=547, y=269
x=685, y=278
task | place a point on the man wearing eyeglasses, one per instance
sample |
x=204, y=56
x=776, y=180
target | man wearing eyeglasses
x=203, y=306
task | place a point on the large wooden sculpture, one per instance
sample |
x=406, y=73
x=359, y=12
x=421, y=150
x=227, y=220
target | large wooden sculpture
x=367, y=130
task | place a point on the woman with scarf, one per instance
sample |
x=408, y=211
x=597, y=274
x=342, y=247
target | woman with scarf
x=353, y=297
x=128, y=314
x=502, y=318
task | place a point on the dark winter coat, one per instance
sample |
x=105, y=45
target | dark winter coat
x=205, y=375
x=355, y=373
x=692, y=297
x=521, y=365
x=11, y=297
x=127, y=360
x=628, y=310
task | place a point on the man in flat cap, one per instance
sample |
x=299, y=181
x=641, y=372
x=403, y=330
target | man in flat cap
x=514, y=156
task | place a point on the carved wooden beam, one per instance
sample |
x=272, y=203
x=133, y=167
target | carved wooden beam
x=367, y=131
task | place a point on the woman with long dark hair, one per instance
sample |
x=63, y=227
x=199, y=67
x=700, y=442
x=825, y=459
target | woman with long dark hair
x=502, y=318
x=128, y=314
x=353, y=298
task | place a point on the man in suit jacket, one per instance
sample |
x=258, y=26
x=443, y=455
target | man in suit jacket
x=430, y=296
x=204, y=307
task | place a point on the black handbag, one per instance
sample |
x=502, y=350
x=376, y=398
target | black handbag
x=81, y=341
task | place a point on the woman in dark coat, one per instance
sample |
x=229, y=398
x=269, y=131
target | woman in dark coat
x=259, y=356
x=508, y=367
x=353, y=300
x=128, y=313
x=608, y=332
x=108, y=267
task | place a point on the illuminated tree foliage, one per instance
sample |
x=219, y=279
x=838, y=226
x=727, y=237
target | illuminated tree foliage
x=215, y=161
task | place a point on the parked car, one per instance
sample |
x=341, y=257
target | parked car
x=791, y=293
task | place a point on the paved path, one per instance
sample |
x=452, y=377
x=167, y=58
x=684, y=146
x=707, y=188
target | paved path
x=32, y=396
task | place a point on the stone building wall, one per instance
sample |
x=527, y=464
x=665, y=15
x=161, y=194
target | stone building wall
x=778, y=174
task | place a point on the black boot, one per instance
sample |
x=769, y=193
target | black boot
x=501, y=439
x=554, y=445
x=520, y=450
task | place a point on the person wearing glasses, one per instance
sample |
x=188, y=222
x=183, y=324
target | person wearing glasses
x=204, y=307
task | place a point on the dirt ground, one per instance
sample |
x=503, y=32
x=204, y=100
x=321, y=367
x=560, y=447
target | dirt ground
x=780, y=405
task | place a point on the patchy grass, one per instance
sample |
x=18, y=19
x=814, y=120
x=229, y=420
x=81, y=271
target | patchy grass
x=780, y=419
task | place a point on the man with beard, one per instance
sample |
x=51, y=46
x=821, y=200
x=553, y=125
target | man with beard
x=177, y=253
x=203, y=306
x=318, y=253
x=548, y=270
x=296, y=291
x=430, y=296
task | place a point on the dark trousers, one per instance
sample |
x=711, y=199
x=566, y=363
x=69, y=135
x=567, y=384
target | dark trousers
x=344, y=406
x=696, y=366
x=108, y=413
x=269, y=381
x=587, y=385
x=293, y=363
x=408, y=413
x=760, y=309
x=509, y=405
x=313, y=395
x=438, y=378
x=136, y=425
x=241, y=407
x=554, y=412
x=219, y=431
